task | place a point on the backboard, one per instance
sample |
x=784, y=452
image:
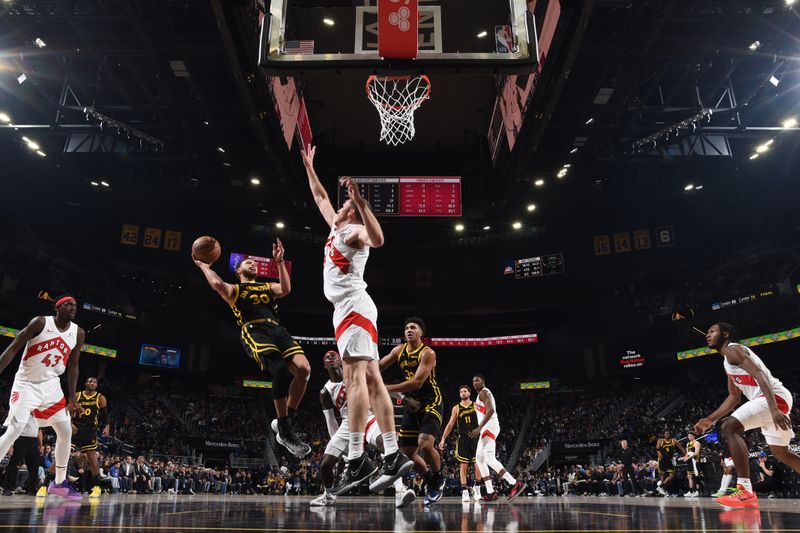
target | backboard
x=478, y=36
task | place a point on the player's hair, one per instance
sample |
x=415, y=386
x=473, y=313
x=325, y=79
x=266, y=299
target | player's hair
x=463, y=387
x=726, y=327
x=479, y=376
x=418, y=321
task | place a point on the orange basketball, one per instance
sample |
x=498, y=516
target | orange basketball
x=206, y=249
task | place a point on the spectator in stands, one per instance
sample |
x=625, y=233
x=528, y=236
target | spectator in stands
x=767, y=474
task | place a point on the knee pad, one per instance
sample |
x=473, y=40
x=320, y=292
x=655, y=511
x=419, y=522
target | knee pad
x=281, y=378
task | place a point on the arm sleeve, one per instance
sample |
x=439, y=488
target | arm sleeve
x=330, y=420
x=103, y=416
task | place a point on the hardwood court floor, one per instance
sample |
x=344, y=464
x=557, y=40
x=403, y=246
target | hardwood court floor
x=378, y=515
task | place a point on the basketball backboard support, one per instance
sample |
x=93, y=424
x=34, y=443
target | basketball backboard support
x=299, y=37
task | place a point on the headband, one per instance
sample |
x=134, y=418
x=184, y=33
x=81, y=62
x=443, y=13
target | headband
x=64, y=300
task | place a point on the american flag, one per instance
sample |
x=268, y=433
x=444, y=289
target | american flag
x=298, y=47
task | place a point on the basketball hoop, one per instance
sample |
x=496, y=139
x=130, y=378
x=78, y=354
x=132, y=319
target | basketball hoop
x=396, y=98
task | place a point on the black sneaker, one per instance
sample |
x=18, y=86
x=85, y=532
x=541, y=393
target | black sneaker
x=295, y=446
x=394, y=466
x=357, y=472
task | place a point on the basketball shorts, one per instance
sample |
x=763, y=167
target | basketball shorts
x=427, y=420
x=465, y=449
x=487, y=441
x=665, y=466
x=755, y=414
x=355, y=321
x=85, y=439
x=340, y=441
x=265, y=340
x=43, y=400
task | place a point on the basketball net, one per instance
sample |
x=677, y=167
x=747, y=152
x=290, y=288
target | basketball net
x=396, y=98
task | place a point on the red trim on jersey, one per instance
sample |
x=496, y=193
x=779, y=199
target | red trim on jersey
x=481, y=408
x=782, y=404
x=339, y=260
x=743, y=379
x=489, y=434
x=369, y=425
x=356, y=319
x=50, y=411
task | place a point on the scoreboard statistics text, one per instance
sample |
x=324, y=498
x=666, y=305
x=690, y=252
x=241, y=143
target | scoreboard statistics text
x=410, y=196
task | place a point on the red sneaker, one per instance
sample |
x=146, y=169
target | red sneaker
x=745, y=518
x=490, y=498
x=740, y=497
x=516, y=490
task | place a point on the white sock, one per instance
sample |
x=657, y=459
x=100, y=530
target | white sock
x=399, y=485
x=389, y=443
x=508, y=478
x=726, y=481
x=745, y=482
x=63, y=431
x=489, y=488
x=356, y=449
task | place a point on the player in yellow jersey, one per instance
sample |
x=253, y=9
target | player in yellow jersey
x=92, y=415
x=464, y=418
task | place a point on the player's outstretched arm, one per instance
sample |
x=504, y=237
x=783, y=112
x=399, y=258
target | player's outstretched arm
x=388, y=360
x=225, y=290
x=317, y=190
x=73, y=371
x=33, y=328
x=328, y=411
x=730, y=402
x=102, y=407
x=284, y=285
x=449, y=427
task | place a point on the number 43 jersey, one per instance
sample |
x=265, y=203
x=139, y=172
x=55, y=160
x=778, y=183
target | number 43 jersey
x=46, y=355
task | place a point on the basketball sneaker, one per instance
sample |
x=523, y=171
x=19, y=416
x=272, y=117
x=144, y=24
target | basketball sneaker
x=325, y=499
x=476, y=492
x=96, y=492
x=436, y=489
x=295, y=446
x=357, y=472
x=394, y=466
x=404, y=497
x=740, y=497
x=490, y=497
x=723, y=492
x=516, y=490
x=42, y=492
x=743, y=519
x=64, y=490
x=465, y=495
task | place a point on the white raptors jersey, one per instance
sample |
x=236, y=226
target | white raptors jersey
x=747, y=383
x=46, y=355
x=480, y=409
x=338, y=394
x=343, y=270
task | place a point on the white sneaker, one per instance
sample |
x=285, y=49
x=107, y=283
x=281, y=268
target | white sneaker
x=323, y=500
x=465, y=495
x=402, y=499
x=662, y=491
x=476, y=493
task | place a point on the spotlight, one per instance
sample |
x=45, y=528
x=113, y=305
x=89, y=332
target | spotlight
x=220, y=149
x=255, y=181
x=39, y=43
x=516, y=225
x=788, y=123
x=573, y=150
x=760, y=149
x=539, y=182
x=774, y=81
x=487, y=228
x=531, y=208
x=698, y=187
x=94, y=184
x=328, y=22
x=40, y=153
x=483, y=34
x=591, y=119
x=459, y=227
x=755, y=45
x=754, y=156
x=5, y=118
x=568, y=165
x=26, y=139
x=561, y=173
x=21, y=78
x=790, y=2
x=33, y=146
x=688, y=187
x=105, y=184
x=280, y=225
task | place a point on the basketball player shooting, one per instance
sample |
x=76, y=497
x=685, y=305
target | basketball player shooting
x=768, y=407
x=52, y=345
x=354, y=230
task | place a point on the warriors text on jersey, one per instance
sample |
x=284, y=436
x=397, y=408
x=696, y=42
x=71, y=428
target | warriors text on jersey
x=254, y=301
x=88, y=409
x=693, y=447
x=409, y=360
x=467, y=418
x=343, y=269
x=46, y=355
x=748, y=384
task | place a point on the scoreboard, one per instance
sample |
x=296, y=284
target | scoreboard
x=410, y=196
x=534, y=267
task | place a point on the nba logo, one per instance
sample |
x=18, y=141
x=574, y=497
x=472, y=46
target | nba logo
x=504, y=39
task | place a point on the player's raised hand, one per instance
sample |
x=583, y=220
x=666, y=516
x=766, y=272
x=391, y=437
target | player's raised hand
x=277, y=250
x=352, y=189
x=200, y=263
x=308, y=156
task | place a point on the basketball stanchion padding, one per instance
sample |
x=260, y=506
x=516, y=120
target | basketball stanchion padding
x=397, y=98
x=398, y=29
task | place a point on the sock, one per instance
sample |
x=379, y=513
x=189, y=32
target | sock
x=726, y=481
x=428, y=475
x=508, y=478
x=399, y=485
x=292, y=413
x=489, y=488
x=389, y=443
x=283, y=426
x=745, y=482
x=356, y=449
x=63, y=431
x=464, y=487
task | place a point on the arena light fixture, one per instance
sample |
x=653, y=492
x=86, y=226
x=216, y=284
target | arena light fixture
x=40, y=153
x=25, y=139
x=561, y=173
x=328, y=22
x=573, y=150
x=5, y=118
x=755, y=45
x=531, y=208
x=790, y=2
x=459, y=227
x=280, y=225
x=761, y=148
x=255, y=181
x=487, y=228
x=788, y=123
x=589, y=121
x=33, y=146
x=539, y=182
x=483, y=34
x=568, y=165
x=774, y=81
x=516, y=225
x=689, y=187
x=94, y=184
x=225, y=163
x=754, y=156
x=220, y=149
x=105, y=183
x=39, y=43
x=698, y=187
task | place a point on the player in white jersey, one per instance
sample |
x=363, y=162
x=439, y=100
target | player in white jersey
x=333, y=398
x=52, y=345
x=354, y=230
x=768, y=406
x=488, y=429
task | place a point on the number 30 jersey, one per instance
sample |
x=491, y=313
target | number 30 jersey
x=254, y=301
x=46, y=355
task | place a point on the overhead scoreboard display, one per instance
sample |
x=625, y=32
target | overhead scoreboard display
x=534, y=267
x=409, y=196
